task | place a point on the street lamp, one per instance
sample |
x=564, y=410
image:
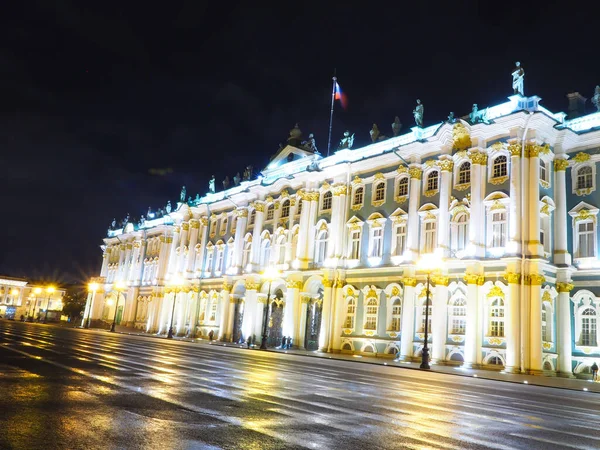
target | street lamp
x=176, y=283
x=92, y=287
x=427, y=263
x=49, y=290
x=118, y=287
x=269, y=274
x=37, y=291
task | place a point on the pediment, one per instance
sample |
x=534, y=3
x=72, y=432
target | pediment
x=288, y=154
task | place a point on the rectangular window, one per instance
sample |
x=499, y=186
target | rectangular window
x=377, y=242
x=395, y=325
x=355, y=244
x=498, y=230
x=371, y=323
x=585, y=233
x=400, y=239
x=458, y=326
x=497, y=328
x=349, y=323
x=588, y=331
x=430, y=237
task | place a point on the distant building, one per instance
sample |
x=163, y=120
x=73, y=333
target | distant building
x=508, y=202
x=20, y=298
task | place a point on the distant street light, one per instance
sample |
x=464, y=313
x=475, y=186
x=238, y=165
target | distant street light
x=176, y=283
x=92, y=287
x=49, y=290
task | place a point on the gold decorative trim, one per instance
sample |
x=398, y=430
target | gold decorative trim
x=401, y=198
x=340, y=189
x=462, y=187
x=402, y=169
x=547, y=345
x=581, y=192
x=461, y=140
x=293, y=284
x=581, y=157
x=185, y=226
x=560, y=164
x=495, y=291
x=252, y=286
x=378, y=202
x=536, y=279
x=473, y=278
x=227, y=286
x=415, y=172
x=356, y=207
x=499, y=180
x=357, y=180
x=564, y=287
x=515, y=149
x=408, y=281
x=446, y=165
x=339, y=283
x=545, y=184
x=478, y=158
x=512, y=277
x=440, y=280
x=327, y=282
x=258, y=206
x=430, y=193
x=379, y=176
x=585, y=214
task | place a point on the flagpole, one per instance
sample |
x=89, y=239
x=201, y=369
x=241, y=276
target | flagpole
x=331, y=114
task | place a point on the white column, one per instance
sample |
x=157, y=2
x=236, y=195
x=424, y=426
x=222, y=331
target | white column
x=250, y=301
x=302, y=250
x=290, y=236
x=240, y=233
x=181, y=307
x=259, y=207
x=525, y=205
x=312, y=220
x=536, y=323
x=414, y=197
x=561, y=252
x=173, y=254
x=439, y=319
x=407, y=332
x=514, y=206
x=340, y=313
x=191, y=258
x=185, y=227
x=563, y=331
x=326, y=316
x=105, y=258
x=290, y=308
x=443, y=232
x=533, y=221
x=512, y=314
x=339, y=213
x=203, y=235
x=224, y=312
x=230, y=318
x=141, y=255
x=163, y=258
x=477, y=225
x=472, y=331
x=299, y=342
x=261, y=304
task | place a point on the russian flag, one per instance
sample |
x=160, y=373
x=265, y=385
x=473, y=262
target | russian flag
x=339, y=95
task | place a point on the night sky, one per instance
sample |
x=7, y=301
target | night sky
x=96, y=97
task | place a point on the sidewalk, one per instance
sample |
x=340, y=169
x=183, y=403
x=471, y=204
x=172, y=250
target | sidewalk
x=534, y=380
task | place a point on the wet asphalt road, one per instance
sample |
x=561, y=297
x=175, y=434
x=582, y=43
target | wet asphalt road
x=81, y=389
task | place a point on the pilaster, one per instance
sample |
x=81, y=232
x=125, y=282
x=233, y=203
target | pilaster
x=412, y=237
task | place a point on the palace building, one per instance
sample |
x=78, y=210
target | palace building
x=506, y=199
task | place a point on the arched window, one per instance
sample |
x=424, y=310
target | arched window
x=464, y=173
x=321, y=246
x=461, y=227
x=327, y=199
x=209, y=261
x=380, y=191
x=585, y=178
x=350, y=313
x=285, y=209
x=459, y=315
x=500, y=167
x=396, y=315
x=223, y=226
x=371, y=314
x=252, y=217
x=358, y=196
x=497, y=317
x=246, y=253
x=403, y=187
x=588, y=327
x=433, y=181
x=219, y=261
x=281, y=240
x=265, y=252
x=270, y=211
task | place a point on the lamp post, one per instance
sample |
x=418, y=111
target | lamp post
x=176, y=283
x=37, y=291
x=49, y=290
x=427, y=263
x=269, y=274
x=92, y=287
x=118, y=288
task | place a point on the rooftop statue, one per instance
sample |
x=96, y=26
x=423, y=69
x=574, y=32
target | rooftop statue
x=149, y=213
x=451, y=118
x=311, y=145
x=473, y=116
x=189, y=199
x=168, y=208
x=211, y=185
x=295, y=138
x=374, y=133
x=248, y=173
x=142, y=222
x=226, y=183
x=237, y=179
x=596, y=98
x=347, y=141
x=113, y=224
x=182, y=194
x=518, y=75
x=396, y=126
x=197, y=199
x=418, y=113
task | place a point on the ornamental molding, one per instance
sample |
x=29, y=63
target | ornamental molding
x=535, y=279
x=446, y=165
x=462, y=187
x=533, y=150
x=401, y=198
x=327, y=283
x=547, y=297
x=258, y=206
x=371, y=292
x=185, y=226
x=440, y=280
x=478, y=158
x=293, y=284
x=461, y=140
x=515, y=149
x=560, y=164
x=357, y=180
x=497, y=146
x=581, y=157
x=415, y=172
x=402, y=169
x=227, y=287
x=499, y=180
x=430, y=193
x=473, y=278
x=564, y=287
x=339, y=189
x=408, y=281
x=379, y=176
x=495, y=291
x=252, y=286
x=512, y=277
x=284, y=193
x=204, y=221
x=242, y=212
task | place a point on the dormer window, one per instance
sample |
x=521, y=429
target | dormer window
x=327, y=200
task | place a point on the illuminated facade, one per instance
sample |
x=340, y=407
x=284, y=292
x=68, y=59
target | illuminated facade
x=20, y=298
x=508, y=202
